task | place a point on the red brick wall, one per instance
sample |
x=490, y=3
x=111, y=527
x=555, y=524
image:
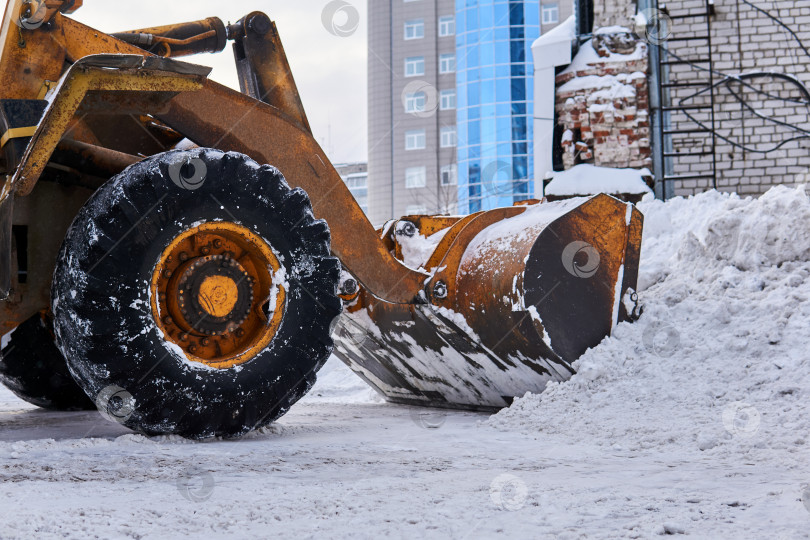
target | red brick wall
x=604, y=109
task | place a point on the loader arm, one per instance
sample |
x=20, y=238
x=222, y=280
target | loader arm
x=273, y=131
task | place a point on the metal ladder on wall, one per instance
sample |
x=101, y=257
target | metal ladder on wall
x=700, y=80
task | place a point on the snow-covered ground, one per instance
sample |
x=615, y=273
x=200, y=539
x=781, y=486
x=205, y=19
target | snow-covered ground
x=694, y=421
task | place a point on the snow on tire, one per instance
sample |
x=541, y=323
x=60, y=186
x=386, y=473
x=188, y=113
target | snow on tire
x=109, y=324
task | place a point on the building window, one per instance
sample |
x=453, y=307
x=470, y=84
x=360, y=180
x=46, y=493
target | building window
x=415, y=66
x=551, y=13
x=414, y=29
x=450, y=175
x=448, y=137
x=358, y=186
x=415, y=103
x=415, y=140
x=448, y=100
x=415, y=209
x=415, y=177
x=447, y=63
x=447, y=26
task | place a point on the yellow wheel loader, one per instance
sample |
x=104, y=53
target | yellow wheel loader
x=185, y=257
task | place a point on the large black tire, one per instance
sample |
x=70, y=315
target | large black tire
x=32, y=367
x=104, y=323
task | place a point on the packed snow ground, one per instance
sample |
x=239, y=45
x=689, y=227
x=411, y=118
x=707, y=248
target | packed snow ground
x=693, y=421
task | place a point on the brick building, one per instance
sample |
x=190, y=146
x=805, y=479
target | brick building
x=602, y=104
x=734, y=109
x=752, y=116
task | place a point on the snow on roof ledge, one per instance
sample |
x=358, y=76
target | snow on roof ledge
x=587, y=179
x=554, y=48
x=565, y=31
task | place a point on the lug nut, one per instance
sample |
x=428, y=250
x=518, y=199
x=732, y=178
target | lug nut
x=167, y=273
x=440, y=290
x=184, y=336
x=205, y=342
x=192, y=348
x=167, y=320
x=205, y=250
x=239, y=332
x=217, y=243
x=183, y=256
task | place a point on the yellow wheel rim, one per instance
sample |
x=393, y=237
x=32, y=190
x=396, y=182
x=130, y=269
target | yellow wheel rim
x=217, y=293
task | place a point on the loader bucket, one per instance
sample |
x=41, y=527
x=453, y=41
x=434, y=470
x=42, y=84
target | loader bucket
x=515, y=296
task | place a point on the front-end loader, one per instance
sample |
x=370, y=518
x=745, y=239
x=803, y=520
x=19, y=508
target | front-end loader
x=181, y=255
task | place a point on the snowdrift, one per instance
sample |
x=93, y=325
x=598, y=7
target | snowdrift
x=718, y=361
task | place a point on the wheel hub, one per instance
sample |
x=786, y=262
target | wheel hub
x=217, y=295
x=214, y=294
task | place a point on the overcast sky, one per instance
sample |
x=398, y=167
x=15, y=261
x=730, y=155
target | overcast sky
x=330, y=70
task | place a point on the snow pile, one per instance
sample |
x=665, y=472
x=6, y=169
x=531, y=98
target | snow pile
x=585, y=179
x=717, y=364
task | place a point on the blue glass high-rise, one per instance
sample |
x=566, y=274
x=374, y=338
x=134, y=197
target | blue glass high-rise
x=494, y=80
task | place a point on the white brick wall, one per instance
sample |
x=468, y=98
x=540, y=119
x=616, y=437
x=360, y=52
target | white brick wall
x=613, y=12
x=745, y=40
